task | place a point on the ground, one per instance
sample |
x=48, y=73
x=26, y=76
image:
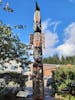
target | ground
x=46, y=91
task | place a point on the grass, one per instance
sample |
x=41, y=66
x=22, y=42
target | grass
x=67, y=97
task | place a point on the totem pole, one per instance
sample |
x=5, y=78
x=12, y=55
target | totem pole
x=37, y=40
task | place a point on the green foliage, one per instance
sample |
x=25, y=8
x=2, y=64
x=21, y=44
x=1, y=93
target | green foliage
x=52, y=60
x=5, y=29
x=55, y=60
x=62, y=77
x=11, y=47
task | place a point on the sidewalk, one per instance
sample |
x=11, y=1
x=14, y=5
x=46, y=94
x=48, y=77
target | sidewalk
x=46, y=92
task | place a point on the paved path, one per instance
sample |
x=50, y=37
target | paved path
x=46, y=94
x=46, y=91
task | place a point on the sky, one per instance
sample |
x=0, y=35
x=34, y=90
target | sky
x=58, y=23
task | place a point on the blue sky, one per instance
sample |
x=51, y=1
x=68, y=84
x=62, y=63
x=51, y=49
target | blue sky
x=58, y=23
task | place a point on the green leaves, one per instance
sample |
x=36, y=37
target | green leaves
x=11, y=47
x=55, y=60
x=63, y=76
x=5, y=29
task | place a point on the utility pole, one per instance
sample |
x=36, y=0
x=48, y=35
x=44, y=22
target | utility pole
x=36, y=39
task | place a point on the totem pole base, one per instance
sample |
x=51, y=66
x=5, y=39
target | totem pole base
x=38, y=98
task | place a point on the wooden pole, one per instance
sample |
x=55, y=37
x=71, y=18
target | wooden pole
x=36, y=41
x=38, y=83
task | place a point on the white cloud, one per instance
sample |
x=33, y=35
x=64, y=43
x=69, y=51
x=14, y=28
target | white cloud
x=49, y=23
x=66, y=50
x=70, y=34
x=45, y=24
x=55, y=24
x=51, y=38
x=68, y=47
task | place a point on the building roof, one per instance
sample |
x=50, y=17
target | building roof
x=45, y=66
x=49, y=66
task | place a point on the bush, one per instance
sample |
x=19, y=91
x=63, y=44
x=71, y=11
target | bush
x=62, y=77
